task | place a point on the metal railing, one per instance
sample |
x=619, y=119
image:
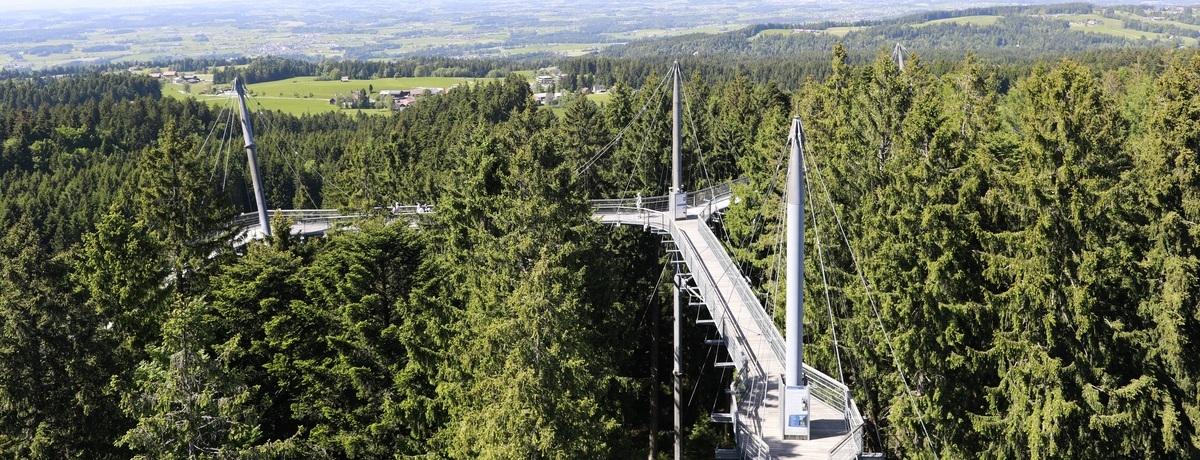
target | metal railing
x=852, y=445
x=250, y=219
x=750, y=446
x=749, y=440
x=716, y=192
x=707, y=286
x=660, y=203
x=652, y=203
x=705, y=197
x=742, y=288
x=826, y=389
x=328, y=216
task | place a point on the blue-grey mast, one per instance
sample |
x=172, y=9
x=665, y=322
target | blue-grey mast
x=677, y=198
x=796, y=423
x=794, y=327
x=678, y=201
x=263, y=222
x=677, y=372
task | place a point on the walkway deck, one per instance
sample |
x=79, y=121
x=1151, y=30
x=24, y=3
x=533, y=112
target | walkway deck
x=754, y=343
x=760, y=367
x=317, y=222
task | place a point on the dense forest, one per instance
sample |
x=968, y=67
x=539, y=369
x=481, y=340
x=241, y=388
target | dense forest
x=1016, y=38
x=1018, y=277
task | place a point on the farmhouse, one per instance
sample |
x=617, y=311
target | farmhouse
x=401, y=103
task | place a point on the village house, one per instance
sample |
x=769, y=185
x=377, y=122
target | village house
x=401, y=103
x=543, y=98
x=396, y=93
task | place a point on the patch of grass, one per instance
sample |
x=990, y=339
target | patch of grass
x=770, y=32
x=292, y=106
x=842, y=31
x=600, y=98
x=835, y=31
x=1182, y=25
x=1112, y=26
x=293, y=95
x=978, y=20
x=654, y=33
x=569, y=49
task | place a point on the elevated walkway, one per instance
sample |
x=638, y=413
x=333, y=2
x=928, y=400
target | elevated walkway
x=754, y=344
x=751, y=338
x=316, y=222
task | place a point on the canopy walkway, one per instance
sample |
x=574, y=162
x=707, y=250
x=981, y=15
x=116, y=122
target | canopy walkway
x=780, y=407
x=749, y=335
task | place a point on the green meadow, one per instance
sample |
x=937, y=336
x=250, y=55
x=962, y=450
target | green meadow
x=305, y=95
x=842, y=31
x=977, y=20
x=1113, y=26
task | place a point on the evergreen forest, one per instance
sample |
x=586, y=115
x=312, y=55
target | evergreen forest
x=1010, y=255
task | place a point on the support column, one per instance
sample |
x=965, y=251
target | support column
x=678, y=199
x=260, y=199
x=654, y=388
x=677, y=374
x=796, y=422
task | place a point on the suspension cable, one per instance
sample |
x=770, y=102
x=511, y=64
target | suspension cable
x=273, y=127
x=591, y=161
x=759, y=225
x=687, y=105
x=225, y=146
x=824, y=279
x=703, y=365
x=204, y=145
x=874, y=308
x=642, y=148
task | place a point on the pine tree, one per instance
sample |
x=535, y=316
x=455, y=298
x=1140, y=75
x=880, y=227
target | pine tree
x=1064, y=262
x=1165, y=176
x=182, y=209
x=188, y=401
x=55, y=358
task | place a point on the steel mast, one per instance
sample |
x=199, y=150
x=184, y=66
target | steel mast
x=263, y=222
x=678, y=199
x=796, y=391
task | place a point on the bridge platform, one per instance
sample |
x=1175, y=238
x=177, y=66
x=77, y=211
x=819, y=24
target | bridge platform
x=751, y=338
x=754, y=344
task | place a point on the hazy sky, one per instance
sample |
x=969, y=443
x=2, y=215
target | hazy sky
x=100, y=4
x=30, y=5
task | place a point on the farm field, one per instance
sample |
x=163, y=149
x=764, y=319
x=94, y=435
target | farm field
x=304, y=95
x=978, y=20
x=656, y=33
x=842, y=31
x=1112, y=26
